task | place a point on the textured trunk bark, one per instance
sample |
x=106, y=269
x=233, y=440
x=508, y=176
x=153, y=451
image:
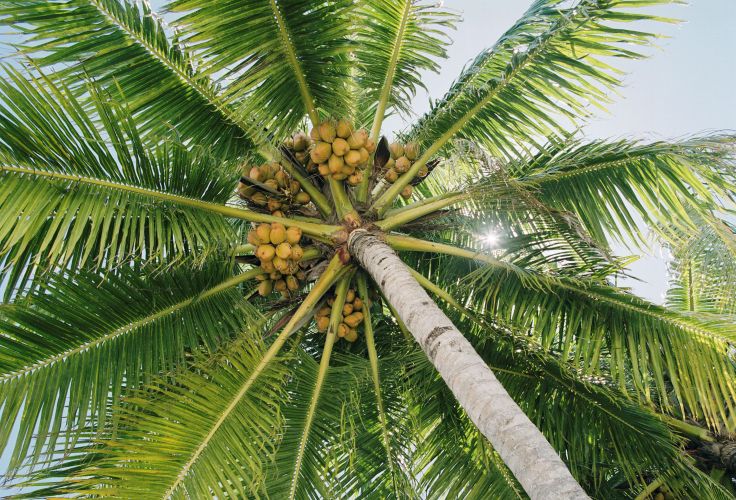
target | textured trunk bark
x=523, y=448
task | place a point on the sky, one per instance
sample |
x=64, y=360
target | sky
x=686, y=87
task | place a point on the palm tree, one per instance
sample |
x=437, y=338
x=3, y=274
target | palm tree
x=157, y=192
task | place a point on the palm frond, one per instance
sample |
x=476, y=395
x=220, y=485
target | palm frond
x=396, y=41
x=703, y=269
x=648, y=350
x=80, y=340
x=278, y=60
x=127, y=48
x=64, y=177
x=165, y=423
x=611, y=186
x=554, y=62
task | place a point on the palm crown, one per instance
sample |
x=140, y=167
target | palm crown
x=144, y=352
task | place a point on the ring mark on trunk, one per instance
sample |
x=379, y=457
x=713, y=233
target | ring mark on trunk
x=431, y=343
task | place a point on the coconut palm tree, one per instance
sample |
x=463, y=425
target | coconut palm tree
x=203, y=300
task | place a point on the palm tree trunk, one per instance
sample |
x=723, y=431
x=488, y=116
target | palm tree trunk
x=523, y=448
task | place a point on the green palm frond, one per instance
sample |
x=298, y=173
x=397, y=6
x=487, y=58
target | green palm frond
x=78, y=184
x=550, y=64
x=646, y=349
x=703, y=269
x=164, y=424
x=82, y=339
x=127, y=49
x=396, y=40
x=277, y=60
x=610, y=186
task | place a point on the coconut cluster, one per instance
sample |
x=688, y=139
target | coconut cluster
x=402, y=157
x=279, y=253
x=340, y=152
x=352, y=316
x=299, y=144
x=283, y=191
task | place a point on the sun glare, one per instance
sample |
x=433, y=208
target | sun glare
x=491, y=238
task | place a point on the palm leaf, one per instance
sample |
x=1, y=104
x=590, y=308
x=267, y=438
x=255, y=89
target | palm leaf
x=127, y=48
x=395, y=43
x=276, y=58
x=167, y=422
x=68, y=195
x=82, y=339
x=610, y=186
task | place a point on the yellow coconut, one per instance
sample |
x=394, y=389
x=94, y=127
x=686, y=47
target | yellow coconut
x=265, y=288
x=265, y=253
x=352, y=335
x=357, y=304
x=273, y=204
x=300, y=141
x=321, y=152
x=283, y=250
x=402, y=164
x=292, y=283
x=255, y=174
x=406, y=192
x=340, y=146
x=354, y=319
x=411, y=150
x=335, y=163
x=344, y=128
x=342, y=330
x=278, y=233
x=352, y=158
x=280, y=285
x=259, y=199
x=267, y=266
x=350, y=295
x=314, y=134
x=253, y=238
x=294, y=186
x=322, y=323
x=339, y=177
x=347, y=309
x=293, y=235
x=281, y=265
x=391, y=176
x=327, y=131
x=323, y=169
x=396, y=150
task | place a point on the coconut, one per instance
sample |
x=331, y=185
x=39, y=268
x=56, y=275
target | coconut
x=277, y=213
x=352, y=158
x=280, y=285
x=340, y=146
x=402, y=164
x=272, y=183
x=364, y=155
x=357, y=304
x=300, y=141
x=323, y=169
x=340, y=176
x=301, y=156
x=344, y=128
x=255, y=174
x=423, y=171
x=283, y=250
x=265, y=253
x=275, y=275
x=300, y=275
x=265, y=288
x=350, y=295
x=323, y=322
x=406, y=192
x=347, y=309
x=335, y=163
x=391, y=163
x=273, y=204
x=354, y=319
x=391, y=176
x=314, y=134
x=267, y=266
x=324, y=311
x=282, y=179
x=353, y=180
x=278, y=233
x=352, y=335
x=292, y=283
x=294, y=186
x=411, y=150
x=297, y=252
x=327, y=131
x=321, y=152
x=396, y=150
x=293, y=235
x=370, y=145
x=342, y=330
x=253, y=238
x=302, y=198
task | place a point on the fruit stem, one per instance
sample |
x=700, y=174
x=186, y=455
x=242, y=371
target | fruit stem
x=400, y=216
x=646, y=492
x=340, y=197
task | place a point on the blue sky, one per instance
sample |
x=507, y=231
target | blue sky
x=686, y=87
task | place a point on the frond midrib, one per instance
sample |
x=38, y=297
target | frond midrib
x=390, y=72
x=296, y=67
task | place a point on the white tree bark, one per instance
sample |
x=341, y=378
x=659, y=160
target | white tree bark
x=523, y=448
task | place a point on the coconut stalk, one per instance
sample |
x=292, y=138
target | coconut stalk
x=523, y=448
